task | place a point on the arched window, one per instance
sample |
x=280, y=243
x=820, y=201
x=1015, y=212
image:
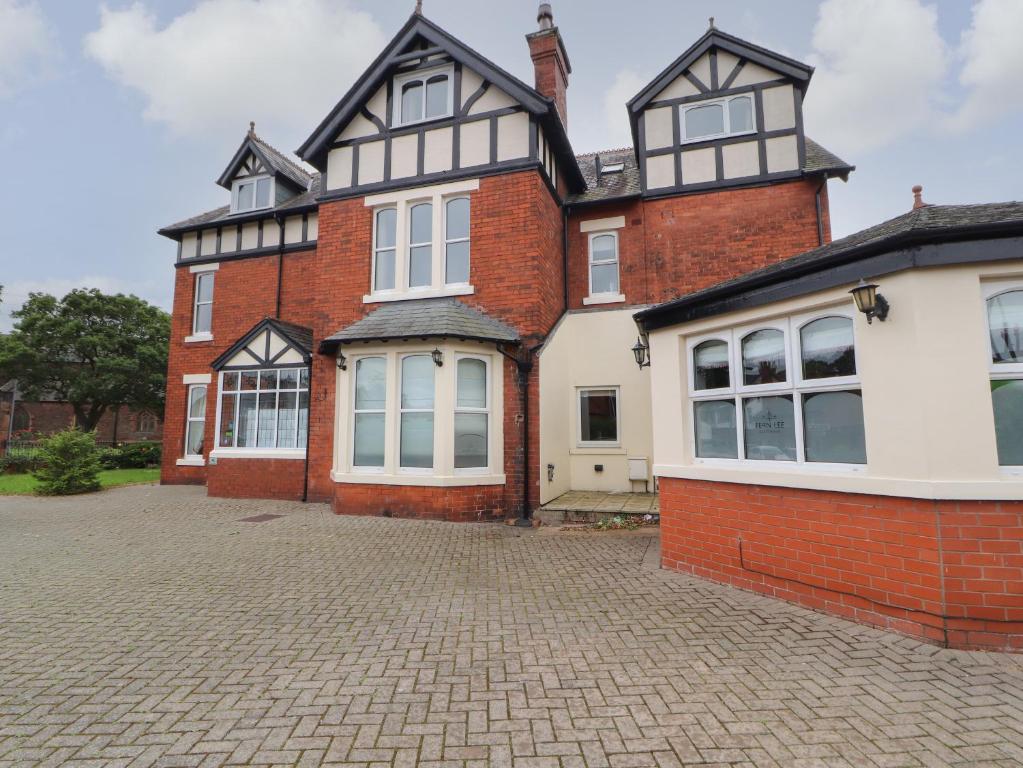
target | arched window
x=710, y=365
x=763, y=357
x=827, y=348
x=423, y=96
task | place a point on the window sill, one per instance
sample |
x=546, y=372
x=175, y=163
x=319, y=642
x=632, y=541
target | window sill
x=415, y=293
x=198, y=337
x=191, y=461
x=604, y=298
x=598, y=450
x=258, y=453
x=382, y=478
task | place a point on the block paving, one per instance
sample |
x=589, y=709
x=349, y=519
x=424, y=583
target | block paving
x=149, y=626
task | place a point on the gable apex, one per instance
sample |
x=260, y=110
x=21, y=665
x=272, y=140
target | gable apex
x=271, y=162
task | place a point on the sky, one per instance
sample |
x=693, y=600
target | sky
x=116, y=117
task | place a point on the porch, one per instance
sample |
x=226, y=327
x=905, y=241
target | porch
x=592, y=506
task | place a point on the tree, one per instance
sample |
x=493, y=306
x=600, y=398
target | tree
x=93, y=350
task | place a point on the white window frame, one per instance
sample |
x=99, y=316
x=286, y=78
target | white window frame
x=401, y=410
x=196, y=303
x=1001, y=371
x=354, y=366
x=580, y=442
x=254, y=451
x=377, y=249
x=190, y=419
x=409, y=245
x=236, y=188
x=724, y=102
x=422, y=75
x=449, y=240
x=794, y=385
x=403, y=201
x=463, y=409
x=591, y=264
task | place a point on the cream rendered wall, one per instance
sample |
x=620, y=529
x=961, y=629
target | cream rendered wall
x=470, y=84
x=371, y=162
x=404, y=156
x=437, y=151
x=512, y=136
x=493, y=98
x=701, y=68
x=250, y=235
x=475, y=143
x=228, y=239
x=926, y=393
x=782, y=154
x=698, y=166
x=779, y=108
x=313, y=226
x=208, y=246
x=752, y=74
x=740, y=160
x=271, y=233
x=188, y=245
x=339, y=168
x=292, y=230
x=591, y=349
x=660, y=171
x=657, y=128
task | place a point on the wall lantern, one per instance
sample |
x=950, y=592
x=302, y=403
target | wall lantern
x=642, y=353
x=869, y=301
x=342, y=362
x=438, y=357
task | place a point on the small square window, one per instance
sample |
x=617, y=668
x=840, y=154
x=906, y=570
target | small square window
x=598, y=416
x=252, y=194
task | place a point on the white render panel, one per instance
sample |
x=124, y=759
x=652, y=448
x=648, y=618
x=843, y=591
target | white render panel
x=291, y=356
x=660, y=171
x=599, y=225
x=657, y=127
x=313, y=226
x=678, y=88
x=271, y=233
x=782, y=154
x=493, y=98
x=242, y=358
x=258, y=345
x=404, y=156
x=188, y=245
x=276, y=344
x=779, y=108
x=437, y=151
x=377, y=105
x=752, y=74
x=339, y=168
x=250, y=235
x=196, y=378
x=726, y=63
x=292, y=230
x=740, y=160
x=512, y=136
x=475, y=143
x=701, y=68
x=371, y=162
x=228, y=239
x=358, y=128
x=470, y=83
x=209, y=242
x=698, y=166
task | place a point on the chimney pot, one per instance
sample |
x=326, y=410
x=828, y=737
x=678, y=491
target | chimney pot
x=545, y=16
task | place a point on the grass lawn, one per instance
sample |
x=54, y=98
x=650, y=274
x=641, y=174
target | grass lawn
x=25, y=484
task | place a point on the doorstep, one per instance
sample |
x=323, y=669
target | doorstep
x=592, y=506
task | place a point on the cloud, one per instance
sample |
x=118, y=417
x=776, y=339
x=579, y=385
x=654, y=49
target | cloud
x=992, y=63
x=617, y=132
x=282, y=63
x=880, y=69
x=27, y=45
x=15, y=293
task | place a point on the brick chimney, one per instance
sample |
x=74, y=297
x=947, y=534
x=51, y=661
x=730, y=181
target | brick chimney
x=550, y=62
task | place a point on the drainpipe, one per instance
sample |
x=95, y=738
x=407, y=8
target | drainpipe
x=820, y=212
x=525, y=368
x=564, y=251
x=308, y=429
x=279, y=218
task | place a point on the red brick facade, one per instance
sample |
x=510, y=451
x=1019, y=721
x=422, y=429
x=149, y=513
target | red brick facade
x=950, y=572
x=122, y=425
x=677, y=245
x=459, y=504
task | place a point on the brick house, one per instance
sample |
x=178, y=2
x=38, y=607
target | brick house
x=432, y=316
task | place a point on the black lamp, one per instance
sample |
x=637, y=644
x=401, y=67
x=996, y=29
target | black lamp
x=438, y=357
x=869, y=301
x=342, y=361
x=642, y=353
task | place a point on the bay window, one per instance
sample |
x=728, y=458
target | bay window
x=778, y=392
x=412, y=421
x=1005, y=332
x=264, y=409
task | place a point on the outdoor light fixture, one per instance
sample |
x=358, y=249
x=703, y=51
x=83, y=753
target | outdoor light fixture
x=642, y=353
x=342, y=362
x=869, y=301
x=438, y=357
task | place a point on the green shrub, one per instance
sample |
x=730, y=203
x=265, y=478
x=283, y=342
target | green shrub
x=139, y=455
x=18, y=463
x=70, y=463
x=109, y=458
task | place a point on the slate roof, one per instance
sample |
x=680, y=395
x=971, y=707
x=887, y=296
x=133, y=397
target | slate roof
x=929, y=224
x=223, y=215
x=298, y=335
x=281, y=163
x=619, y=186
x=420, y=319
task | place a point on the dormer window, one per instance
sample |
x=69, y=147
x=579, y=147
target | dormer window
x=423, y=96
x=713, y=119
x=251, y=194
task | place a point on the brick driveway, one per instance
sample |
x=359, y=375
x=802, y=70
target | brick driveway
x=148, y=626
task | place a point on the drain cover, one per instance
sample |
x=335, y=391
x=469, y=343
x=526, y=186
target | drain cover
x=259, y=518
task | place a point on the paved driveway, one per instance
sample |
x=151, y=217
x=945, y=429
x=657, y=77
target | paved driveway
x=148, y=626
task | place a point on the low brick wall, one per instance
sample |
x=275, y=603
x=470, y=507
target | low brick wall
x=950, y=572
x=256, y=479
x=457, y=504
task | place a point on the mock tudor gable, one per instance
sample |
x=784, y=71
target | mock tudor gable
x=430, y=108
